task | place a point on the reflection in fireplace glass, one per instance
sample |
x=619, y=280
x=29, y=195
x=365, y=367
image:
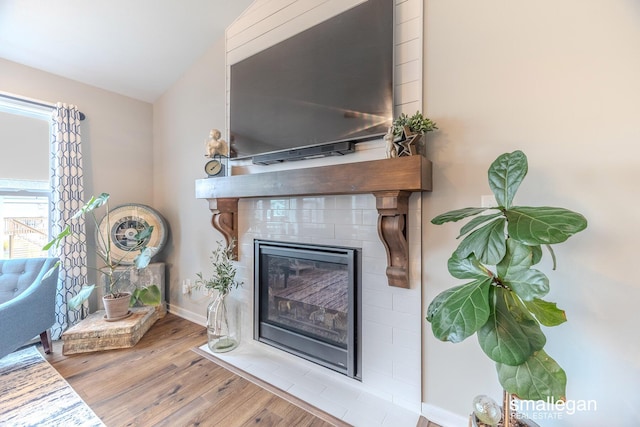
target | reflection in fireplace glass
x=310, y=297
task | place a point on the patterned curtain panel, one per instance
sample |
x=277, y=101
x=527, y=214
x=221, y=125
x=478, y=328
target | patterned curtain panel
x=67, y=196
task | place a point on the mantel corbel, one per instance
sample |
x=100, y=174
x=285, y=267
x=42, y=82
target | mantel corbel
x=225, y=219
x=393, y=207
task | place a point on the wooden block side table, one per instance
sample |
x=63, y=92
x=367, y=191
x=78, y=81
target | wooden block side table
x=94, y=333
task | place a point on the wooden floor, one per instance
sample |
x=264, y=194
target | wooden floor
x=162, y=382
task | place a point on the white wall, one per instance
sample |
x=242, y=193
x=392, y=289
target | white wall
x=558, y=80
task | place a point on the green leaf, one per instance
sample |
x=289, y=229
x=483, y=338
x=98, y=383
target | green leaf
x=92, y=204
x=528, y=284
x=459, y=312
x=487, y=243
x=510, y=335
x=143, y=259
x=144, y=234
x=58, y=239
x=505, y=176
x=537, y=253
x=543, y=225
x=516, y=273
x=546, y=312
x=149, y=295
x=466, y=268
x=539, y=378
x=81, y=297
x=518, y=257
x=52, y=270
x=457, y=215
x=475, y=222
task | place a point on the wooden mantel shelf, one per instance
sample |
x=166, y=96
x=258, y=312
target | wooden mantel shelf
x=391, y=181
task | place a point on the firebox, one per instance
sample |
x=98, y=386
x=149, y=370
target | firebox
x=307, y=302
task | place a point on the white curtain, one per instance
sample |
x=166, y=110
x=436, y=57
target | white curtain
x=67, y=196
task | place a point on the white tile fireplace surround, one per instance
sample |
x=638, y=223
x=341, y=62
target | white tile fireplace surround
x=391, y=316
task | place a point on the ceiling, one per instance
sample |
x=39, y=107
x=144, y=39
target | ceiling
x=137, y=48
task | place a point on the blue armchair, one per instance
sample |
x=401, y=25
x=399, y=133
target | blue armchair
x=27, y=302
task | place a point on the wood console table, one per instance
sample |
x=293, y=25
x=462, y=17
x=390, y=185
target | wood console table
x=391, y=181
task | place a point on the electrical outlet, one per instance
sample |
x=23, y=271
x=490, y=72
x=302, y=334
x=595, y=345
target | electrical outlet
x=488, y=201
x=186, y=286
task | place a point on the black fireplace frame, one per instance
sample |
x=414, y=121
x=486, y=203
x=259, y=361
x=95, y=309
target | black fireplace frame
x=344, y=360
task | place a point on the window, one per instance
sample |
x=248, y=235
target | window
x=24, y=218
x=24, y=178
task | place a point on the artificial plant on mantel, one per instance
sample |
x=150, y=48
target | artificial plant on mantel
x=503, y=302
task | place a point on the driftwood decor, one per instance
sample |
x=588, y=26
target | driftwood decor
x=391, y=181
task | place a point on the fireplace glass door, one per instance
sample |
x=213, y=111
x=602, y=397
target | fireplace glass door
x=306, y=302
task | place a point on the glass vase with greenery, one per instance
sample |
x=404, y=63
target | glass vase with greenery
x=222, y=314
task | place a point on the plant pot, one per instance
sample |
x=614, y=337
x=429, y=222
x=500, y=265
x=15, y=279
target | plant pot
x=116, y=308
x=222, y=324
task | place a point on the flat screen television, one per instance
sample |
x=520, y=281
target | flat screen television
x=318, y=92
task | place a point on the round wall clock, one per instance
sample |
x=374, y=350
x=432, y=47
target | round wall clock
x=214, y=168
x=125, y=222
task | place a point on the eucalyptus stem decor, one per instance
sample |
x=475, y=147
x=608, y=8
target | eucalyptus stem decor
x=503, y=301
x=222, y=315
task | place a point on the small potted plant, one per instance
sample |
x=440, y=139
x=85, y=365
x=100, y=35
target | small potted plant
x=416, y=123
x=116, y=301
x=503, y=301
x=222, y=322
x=410, y=128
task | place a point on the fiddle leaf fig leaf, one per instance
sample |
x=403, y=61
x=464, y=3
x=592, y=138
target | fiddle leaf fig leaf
x=505, y=176
x=537, y=253
x=80, y=297
x=459, y=312
x=487, y=243
x=466, y=268
x=546, y=312
x=457, y=215
x=528, y=284
x=543, y=225
x=517, y=258
x=477, y=221
x=539, y=378
x=510, y=335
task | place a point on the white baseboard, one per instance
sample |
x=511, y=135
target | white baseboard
x=443, y=417
x=186, y=314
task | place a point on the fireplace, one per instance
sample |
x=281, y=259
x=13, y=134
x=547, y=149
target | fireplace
x=307, y=302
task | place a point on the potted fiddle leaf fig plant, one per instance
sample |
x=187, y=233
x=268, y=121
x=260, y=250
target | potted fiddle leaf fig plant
x=116, y=300
x=502, y=302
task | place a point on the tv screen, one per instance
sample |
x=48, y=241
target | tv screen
x=330, y=83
